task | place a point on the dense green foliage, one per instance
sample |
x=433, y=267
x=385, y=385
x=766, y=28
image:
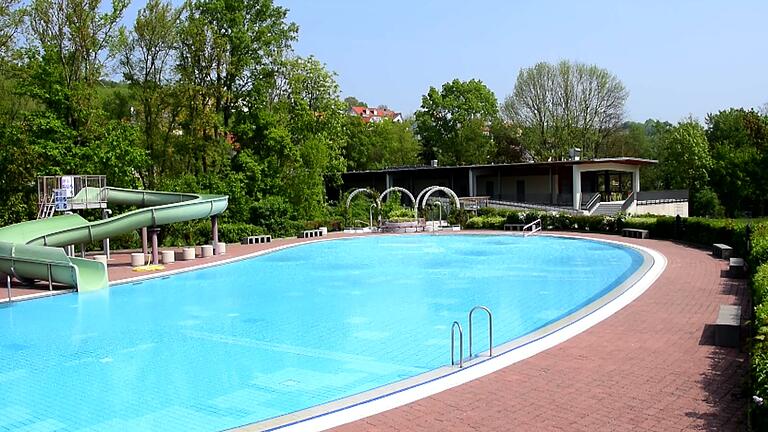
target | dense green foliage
x=213, y=100
x=381, y=145
x=453, y=123
x=758, y=261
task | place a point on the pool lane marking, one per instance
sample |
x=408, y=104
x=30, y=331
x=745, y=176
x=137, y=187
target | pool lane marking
x=477, y=368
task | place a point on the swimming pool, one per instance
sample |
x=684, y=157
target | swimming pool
x=236, y=344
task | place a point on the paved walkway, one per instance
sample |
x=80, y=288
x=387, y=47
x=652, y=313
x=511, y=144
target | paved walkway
x=649, y=367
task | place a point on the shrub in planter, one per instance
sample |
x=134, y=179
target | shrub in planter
x=487, y=211
x=476, y=222
x=495, y=222
x=486, y=222
x=514, y=217
x=459, y=217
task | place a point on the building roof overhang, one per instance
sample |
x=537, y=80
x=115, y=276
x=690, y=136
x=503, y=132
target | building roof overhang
x=548, y=164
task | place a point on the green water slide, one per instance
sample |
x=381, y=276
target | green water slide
x=33, y=249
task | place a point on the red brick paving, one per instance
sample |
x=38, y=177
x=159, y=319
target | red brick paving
x=649, y=367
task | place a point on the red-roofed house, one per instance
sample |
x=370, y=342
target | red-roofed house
x=375, y=115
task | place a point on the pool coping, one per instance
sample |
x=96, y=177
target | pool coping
x=393, y=395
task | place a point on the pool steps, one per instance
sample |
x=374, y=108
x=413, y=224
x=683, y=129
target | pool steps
x=456, y=325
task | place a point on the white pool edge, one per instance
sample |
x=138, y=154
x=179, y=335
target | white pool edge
x=360, y=410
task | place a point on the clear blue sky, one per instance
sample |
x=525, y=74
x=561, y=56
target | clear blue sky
x=676, y=58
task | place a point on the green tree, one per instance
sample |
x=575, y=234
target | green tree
x=453, y=123
x=289, y=147
x=11, y=19
x=353, y=101
x=233, y=47
x=74, y=37
x=685, y=161
x=380, y=145
x=738, y=142
x=563, y=105
x=145, y=57
x=509, y=143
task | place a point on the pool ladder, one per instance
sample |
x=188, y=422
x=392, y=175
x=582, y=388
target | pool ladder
x=456, y=326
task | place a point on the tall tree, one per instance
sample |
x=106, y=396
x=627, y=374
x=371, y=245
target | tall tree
x=564, y=105
x=74, y=36
x=454, y=123
x=233, y=47
x=11, y=18
x=287, y=148
x=145, y=56
x=380, y=145
x=738, y=141
x=685, y=163
x=353, y=101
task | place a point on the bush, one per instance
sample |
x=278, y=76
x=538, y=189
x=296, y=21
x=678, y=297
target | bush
x=486, y=222
x=706, y=203
x=187, y=233
x=759, y=349
x=759, y=245
x=234, y=232
x=758, y=259
x=333, y=223
x=458, y=217
x=487, y=211
x=402, y=213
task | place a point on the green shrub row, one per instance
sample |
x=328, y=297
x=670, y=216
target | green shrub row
x=494, y=219
x=702, y=231
x=758, y=353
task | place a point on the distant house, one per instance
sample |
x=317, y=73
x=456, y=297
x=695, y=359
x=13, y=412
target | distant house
x=375, y=115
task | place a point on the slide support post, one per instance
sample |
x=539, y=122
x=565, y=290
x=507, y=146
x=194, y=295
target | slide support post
x=153, y=231
x=105, y=243
x=215, y=234
x=144, y=248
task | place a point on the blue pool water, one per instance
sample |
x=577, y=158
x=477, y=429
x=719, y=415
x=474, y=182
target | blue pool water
x=236, y=344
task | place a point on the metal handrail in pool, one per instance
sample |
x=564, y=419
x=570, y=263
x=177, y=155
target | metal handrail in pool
x=461, y=344
x=490, y=330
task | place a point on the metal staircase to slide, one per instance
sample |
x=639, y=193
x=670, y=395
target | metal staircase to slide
x=47, y=208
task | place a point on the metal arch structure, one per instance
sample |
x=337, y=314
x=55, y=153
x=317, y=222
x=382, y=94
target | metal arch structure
x=407, y=192
x=421, y=194
x=448, y=191
x=360, y=190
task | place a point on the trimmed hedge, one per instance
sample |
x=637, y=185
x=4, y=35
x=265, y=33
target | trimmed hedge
x=695, y=230
x=758, y=353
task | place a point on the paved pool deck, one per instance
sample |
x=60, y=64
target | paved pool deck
x=651, y=366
